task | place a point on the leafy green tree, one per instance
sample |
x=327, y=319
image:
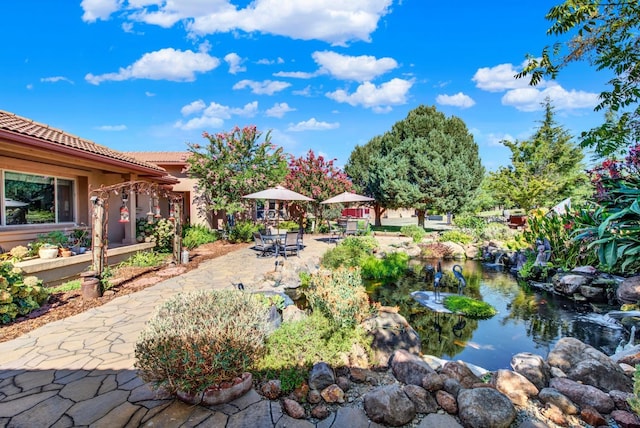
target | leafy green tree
x=318, y=178
x=426, y=161
x=233, y=164
x=544, y=170
x=607, y=35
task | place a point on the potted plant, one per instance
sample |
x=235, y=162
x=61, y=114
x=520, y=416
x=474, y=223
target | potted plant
x=48, y=244
x=48, y=251
x=80, y=240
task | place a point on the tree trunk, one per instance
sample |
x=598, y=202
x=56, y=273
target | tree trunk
x=378, y=210
x=98, y=233
x=421, y=216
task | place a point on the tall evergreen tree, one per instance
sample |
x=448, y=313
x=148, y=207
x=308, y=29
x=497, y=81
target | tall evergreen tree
x=426, y=161
x=544, y=170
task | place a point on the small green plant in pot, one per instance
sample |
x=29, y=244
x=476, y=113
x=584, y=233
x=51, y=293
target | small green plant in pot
x=200, y=343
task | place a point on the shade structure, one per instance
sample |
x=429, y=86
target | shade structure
x=347, y=197
x=10, y=203
x=278, y=193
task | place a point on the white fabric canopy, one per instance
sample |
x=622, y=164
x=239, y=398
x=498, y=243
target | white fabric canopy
x=347, y=197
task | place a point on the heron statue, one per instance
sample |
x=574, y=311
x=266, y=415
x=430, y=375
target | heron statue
x=462, y=283
x=436, y=284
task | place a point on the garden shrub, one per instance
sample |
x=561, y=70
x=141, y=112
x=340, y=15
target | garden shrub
x=201, y=339
x=286, y=357
x=436, y=250
x=243, y=231
x=498, y=232
x=197, y=235
x=456, y=236
x=163, y=233
x=144, y=259
x=19, y=295
x=470, y=223
x=350, y=252
x=415, y=232
x=469, y=307
x=340, y=296
x=391, y=267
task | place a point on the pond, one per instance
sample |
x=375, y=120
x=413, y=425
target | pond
x=527, y=320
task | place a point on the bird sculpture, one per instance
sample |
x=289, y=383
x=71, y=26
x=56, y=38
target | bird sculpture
x=436, y=284
x=462, y=283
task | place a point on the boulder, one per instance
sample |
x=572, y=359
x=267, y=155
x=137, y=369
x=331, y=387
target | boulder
x=592, y=417
x=533, y=367
x=332, y=394
x=568, y=284
x=271, y=389
x=433, y=382
x=447, y=401
x=389, y=405
x=409, y=368
x=589, y=270
x=421, y=398
x=556, y=398
x=583, y=395
x=629, y=290
x=625, y=419
x=391, y=332
x=321, y=376
x=515, y=386
x=293, y=408
x=459, y=371
x=585, y=364
x=485, y=407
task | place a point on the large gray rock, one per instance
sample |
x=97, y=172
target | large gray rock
x=459, y=371
x=409, y=368
x=321, y=376
x=568, y=283
x=421, y=398
x=583, y=395
x=485, y=407
x=436, y=420
x=553, y=396
x=533, y=367
x=389, y=405
x=515, y=386
x=629, y=290
x=585, y=364
x=391, y=332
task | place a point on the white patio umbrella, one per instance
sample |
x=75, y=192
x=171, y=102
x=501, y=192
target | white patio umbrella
x=10, y=203
x=278, y=193
x=347, y=197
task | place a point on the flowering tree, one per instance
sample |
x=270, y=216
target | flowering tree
x=614, y=224
x=318, y=178
x=233, y=164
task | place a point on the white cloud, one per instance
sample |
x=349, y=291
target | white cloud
x=165, y=64
x=266, y=87
x=295, y=74
x=55, y=79
x=193, y=107
x=30, y=86
x=99, y=9
x=266, y=61
x=500, y=78
x=279, y=110
x=149, y=94
x=358, y=68
x=214, y=115
x=333, y=21
x=112, y=128
x=532, y=99
x=458, y=100
x=379, y=98
x=312, y=125
x=495, y=140
x=303, y=92
x=127, y=27
x=234, y=61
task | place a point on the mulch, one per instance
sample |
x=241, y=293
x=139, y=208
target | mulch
x=127, y=280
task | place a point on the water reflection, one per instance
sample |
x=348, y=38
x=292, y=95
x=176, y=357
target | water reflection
x=527, y=320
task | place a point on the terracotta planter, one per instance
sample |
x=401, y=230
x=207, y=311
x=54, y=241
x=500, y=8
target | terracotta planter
x=48, y=253
x=219, y=394
x=65, y=253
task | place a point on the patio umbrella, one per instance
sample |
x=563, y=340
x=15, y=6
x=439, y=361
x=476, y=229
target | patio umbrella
x=347, y=197
x=278, y=193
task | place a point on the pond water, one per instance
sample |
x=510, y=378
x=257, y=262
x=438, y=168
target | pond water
x=527, y=320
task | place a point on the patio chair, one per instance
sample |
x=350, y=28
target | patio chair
x=291, y=243
x=364, y=229
x=336, y=231
x=261, y=245
x=352, y=228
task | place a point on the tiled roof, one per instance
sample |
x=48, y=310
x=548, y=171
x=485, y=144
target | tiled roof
x=161, y=158
x=42, y=132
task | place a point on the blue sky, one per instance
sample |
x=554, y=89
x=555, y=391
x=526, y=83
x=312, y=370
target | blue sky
x=152, y=75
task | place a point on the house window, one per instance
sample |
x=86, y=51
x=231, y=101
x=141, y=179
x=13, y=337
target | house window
x=37, y=199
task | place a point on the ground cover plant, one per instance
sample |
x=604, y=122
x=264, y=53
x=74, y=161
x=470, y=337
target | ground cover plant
x=469, y=307
x=415, y=232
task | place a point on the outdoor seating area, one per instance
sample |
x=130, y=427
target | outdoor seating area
x=275, y=244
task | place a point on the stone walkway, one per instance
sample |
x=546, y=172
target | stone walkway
x=80, y=371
